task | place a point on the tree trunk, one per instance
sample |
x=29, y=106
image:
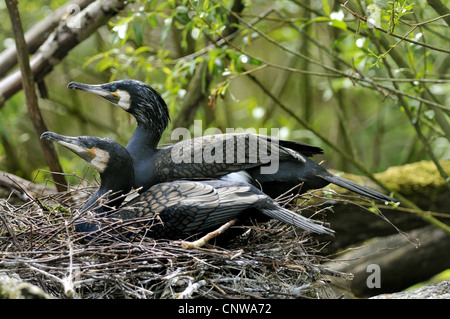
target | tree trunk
x=399, y=263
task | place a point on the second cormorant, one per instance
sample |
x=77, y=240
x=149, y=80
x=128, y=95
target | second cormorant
x=180, y=208
x=155, y=165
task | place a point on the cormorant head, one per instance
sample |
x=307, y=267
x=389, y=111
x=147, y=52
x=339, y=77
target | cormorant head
x=106, y=156
x=135, y=97
x=113, y=163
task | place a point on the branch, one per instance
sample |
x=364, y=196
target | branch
x=441, y=9
x=37, y=33
x=401, y=37
x=393, y=254
x=205, y=239
x=399, y=59
x=196, y=95
x=334, y=72
x=199, y=84
x=61, y=41
x=30, y=95
x=354, y=161
x=24, y=188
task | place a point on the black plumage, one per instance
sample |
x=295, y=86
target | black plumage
x=155, y=165
x=183, y=207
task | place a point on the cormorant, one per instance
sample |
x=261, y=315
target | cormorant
x=153, y=165
x=183, y=207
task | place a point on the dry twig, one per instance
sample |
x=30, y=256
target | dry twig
x=269, y=260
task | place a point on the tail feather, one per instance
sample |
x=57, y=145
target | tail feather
x=291, y=218
x=359, y=189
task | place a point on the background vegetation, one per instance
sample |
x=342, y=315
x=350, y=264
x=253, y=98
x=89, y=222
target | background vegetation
x=368, y=81
x=372, y=96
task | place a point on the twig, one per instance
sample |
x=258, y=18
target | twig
x=441, y=9
x=204, y=240
x=335, y=72
x=359, y=17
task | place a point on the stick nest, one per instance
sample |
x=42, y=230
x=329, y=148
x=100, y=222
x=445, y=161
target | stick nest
x=39, y=246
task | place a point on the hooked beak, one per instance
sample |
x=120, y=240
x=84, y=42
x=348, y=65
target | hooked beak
x=54, y=137
x=98, y=89
x=72, y=143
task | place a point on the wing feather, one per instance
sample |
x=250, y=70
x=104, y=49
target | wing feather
x=213, y=156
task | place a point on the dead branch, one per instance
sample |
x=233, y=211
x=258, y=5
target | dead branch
x=65, y=37
x=37, y=34
x=24, y=188
x=271, y=260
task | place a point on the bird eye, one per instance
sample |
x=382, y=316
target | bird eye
x=113, y=88
x=89, y=144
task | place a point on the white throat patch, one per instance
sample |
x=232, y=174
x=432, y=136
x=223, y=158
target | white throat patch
x=124, y=101
x=100, y=161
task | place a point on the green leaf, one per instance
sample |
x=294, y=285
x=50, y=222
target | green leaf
x=152, y=21
x=339, y=24
x=138, y=33
x=211, y=62
x=93, y=59
x=182, y=15
x=318, y=19
x=326, y=7
x=121, y=30
x=162, y=6
x=105, y=64
x=205, y=5
x=429, y=114
x=166, y=70
x=165, y=29
x=142, y=49
x=182, y=10
x=255, y=61
x=339, y=40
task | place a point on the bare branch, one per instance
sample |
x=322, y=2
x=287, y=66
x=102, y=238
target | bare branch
x=30, y=95
x=441, y=9
x=37, y=34
x=61, y=41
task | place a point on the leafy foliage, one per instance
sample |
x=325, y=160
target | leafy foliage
x=367, y=82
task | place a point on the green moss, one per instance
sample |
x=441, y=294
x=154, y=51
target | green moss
x=420, y=178
x=61, y=209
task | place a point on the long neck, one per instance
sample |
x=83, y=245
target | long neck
x=152, y=117
x=143, y=143
x=111, y=191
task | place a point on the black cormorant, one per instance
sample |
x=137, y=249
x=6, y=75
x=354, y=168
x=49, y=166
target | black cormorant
x=154, y=165
x=183, y=207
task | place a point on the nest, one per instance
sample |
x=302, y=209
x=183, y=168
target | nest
x=38, y=246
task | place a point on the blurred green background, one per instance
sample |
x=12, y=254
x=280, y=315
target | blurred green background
x=172, y=45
